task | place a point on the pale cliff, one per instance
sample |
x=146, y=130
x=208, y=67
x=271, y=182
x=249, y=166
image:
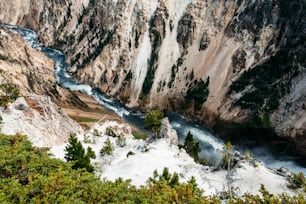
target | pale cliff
x=40, y=119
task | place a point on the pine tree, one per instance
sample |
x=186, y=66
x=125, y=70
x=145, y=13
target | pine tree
x=153, y=120
x=10, y=93
x=76, y=153
x=189, y=142
x=74, y=150
x=165, y=176
x=195, y=151
x=174, y=180
x=192, y=148
x=227, y=162
x=227, y=152
x=107, y=149
x=91, y=153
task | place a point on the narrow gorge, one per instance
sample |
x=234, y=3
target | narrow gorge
x=236, y=66
x=161, y=101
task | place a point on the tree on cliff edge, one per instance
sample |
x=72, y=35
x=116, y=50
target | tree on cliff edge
x=153, y=120
x=192, y=147
x=76, y=153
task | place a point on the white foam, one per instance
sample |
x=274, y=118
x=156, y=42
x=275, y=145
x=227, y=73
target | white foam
x=108, y=105
x=82, y=88
x=201, y=135
x=175, y=124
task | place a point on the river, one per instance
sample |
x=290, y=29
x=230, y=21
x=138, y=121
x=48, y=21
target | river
x=211, y=145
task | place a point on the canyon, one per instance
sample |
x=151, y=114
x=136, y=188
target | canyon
x=229, y=64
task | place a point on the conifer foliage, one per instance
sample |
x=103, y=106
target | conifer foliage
x=153, y=121
x=29, y=175
x=8, y=93
x=76, y=153
x=192, y=148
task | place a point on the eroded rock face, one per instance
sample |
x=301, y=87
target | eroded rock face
x=30, y=70
x=40, y=119
x=290, y=118
x=24, y=66
x=153, y=53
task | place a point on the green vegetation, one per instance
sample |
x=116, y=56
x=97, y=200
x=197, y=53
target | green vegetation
x=297, y=181
x=271, y=81
x=248, y=155
x=121, y=141
x=107, y=149
x=198, y=92
x=260, y=121
x=161, y=85
x=96, y=133
x=177, y=192
x=10, y=93
x=153, y=120
x=266, y=121
x=29, y=175
x=110, y=132
x=185, y=29
x=138, y=135
x=155, y=38
x=175, y=69
x=71, y=39
x=192, y=148
x=148, y=82
x=228, y=163
x=76, y=154
x=107, y=37
x=129, y=76
x=166, y=177
x=86, y=139
x=228, y=154
x=80, y=119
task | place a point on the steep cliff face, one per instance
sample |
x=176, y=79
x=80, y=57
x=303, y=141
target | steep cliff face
x=29, y=70
x=24, y=66
x=231, y=60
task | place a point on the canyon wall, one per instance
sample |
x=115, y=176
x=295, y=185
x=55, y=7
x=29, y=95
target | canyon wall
x=221, y=62
x=29, y=70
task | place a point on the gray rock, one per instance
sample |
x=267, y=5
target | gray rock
x=283, y=170
x=20, y=107
x=168, y=132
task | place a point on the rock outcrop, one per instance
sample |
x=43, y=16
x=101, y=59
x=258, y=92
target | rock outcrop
x=40, y=119
x=30, y=70
x=235, y=61
x=137, y=160
x=166, y=131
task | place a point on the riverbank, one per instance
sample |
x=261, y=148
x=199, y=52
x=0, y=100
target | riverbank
x=95, y=113
x=274, y=154
x=88, y=116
